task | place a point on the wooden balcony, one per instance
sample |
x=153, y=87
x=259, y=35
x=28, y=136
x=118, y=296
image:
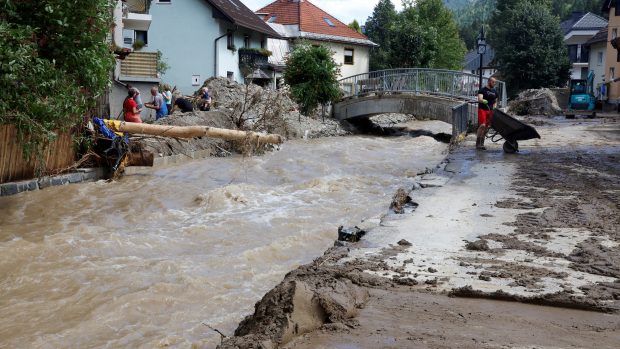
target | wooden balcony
x=140, y=64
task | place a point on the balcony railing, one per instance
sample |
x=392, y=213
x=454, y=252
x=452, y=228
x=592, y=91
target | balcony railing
x=583, y=58
x=252, y=58
x=140, y=64
x=137, y=6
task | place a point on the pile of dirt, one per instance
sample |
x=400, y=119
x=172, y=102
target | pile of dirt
x=241, y=107
x=252, y=107
x=535, y=102
x=165, y=146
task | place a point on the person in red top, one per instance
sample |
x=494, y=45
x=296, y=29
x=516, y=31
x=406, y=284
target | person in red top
x=130, y=107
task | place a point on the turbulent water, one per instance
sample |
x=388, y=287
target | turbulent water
x=145, y=261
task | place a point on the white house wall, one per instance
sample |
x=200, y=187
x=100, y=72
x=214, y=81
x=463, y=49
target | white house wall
x=361, y=59
x=228, y=60
x=598, y=67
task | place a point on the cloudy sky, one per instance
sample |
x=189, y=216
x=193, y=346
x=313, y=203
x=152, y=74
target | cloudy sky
x=344, y=10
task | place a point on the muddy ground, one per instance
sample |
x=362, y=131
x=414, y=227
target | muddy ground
x=549, y=236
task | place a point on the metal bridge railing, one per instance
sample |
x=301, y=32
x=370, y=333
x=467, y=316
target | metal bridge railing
x=453, y=84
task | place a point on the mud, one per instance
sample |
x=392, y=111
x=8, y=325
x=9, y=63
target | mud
x=560, y=299
x=399, y=318
x=400, y=201
x=560, y=195
x=512, y=243
x=577, y=190
x=321, y=293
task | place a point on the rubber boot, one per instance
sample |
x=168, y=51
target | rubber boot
x=482, y=147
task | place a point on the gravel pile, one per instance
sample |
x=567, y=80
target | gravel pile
x=535, y=102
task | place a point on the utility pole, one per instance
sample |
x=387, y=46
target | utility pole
x=482, y=49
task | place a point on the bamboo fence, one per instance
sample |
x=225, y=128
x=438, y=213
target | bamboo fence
x=13, y=167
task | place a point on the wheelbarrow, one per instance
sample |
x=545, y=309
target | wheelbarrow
x=511, y=130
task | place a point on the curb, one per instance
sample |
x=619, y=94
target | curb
x=79, y=176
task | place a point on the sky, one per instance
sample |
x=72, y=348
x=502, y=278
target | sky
x=344, y=10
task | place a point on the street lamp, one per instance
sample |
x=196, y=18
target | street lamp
x=482, y=49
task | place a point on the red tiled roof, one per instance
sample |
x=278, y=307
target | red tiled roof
x=309, y=17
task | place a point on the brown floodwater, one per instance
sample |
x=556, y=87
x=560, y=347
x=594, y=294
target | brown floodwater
x=145, y=261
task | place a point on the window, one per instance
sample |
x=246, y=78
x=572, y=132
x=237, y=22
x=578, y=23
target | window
x=329, y=22
x=617, y=55
x=348, y=56
x=262, y=43
x=612, y=73
x=600, y=58
x=272, y=19
x=127, y=41
x=164, y=2
x=230, y=41
x=230, y=75
x=142, y=36
x=246, y=41
x=614, y=33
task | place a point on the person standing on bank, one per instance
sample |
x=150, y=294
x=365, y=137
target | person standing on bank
x=487, y=96
x=157, y=104
x=168, y=98
x=130, y=107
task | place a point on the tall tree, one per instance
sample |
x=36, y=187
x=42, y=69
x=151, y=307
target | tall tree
x=313, y=76
x=529, y=45
x=450, y=49
x=378, y=30
x=55, y=59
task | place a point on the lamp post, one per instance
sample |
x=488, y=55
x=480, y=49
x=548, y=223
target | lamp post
x=482, y=49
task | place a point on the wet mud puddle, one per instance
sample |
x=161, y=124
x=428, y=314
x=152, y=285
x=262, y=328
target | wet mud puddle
x=145, y=261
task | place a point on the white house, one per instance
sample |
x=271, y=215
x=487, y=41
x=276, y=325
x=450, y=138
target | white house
x=577, y=31
x=471, y=62
x=300, y=19
x=597, y=46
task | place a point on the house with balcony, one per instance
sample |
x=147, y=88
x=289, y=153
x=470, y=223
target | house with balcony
x=199, y=39
x=577, y=31
x=300, y=19
x=136, y=63
x=611, y=9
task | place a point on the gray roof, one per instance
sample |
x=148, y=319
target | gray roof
x=337, y=38
x=237, y=13
x=589, y=21
x=601, y=36
x=472, y=59
x=580, y=21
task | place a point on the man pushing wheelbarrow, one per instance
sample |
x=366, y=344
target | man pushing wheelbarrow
x=505, y=127
x=487, y=96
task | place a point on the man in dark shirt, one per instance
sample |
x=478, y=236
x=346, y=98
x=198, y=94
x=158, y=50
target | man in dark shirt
x=183, y=104
x=487, y=96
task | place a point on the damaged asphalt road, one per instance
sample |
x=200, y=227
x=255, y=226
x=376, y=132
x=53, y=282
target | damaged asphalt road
x=539, y=227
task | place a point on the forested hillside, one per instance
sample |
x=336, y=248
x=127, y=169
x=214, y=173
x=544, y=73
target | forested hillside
x=471, y=14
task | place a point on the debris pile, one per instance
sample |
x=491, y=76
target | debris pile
x=535, y=102
x=252, y=107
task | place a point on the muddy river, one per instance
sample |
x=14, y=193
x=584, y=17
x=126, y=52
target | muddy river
x=145, y=261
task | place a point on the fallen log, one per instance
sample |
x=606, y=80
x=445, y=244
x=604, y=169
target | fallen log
x=192, y=132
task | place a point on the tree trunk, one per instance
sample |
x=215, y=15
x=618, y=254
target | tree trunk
x=192, y=132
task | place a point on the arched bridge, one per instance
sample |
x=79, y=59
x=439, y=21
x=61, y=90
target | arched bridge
x=437, y=94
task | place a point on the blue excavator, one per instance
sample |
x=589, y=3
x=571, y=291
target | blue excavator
x=581, y=99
